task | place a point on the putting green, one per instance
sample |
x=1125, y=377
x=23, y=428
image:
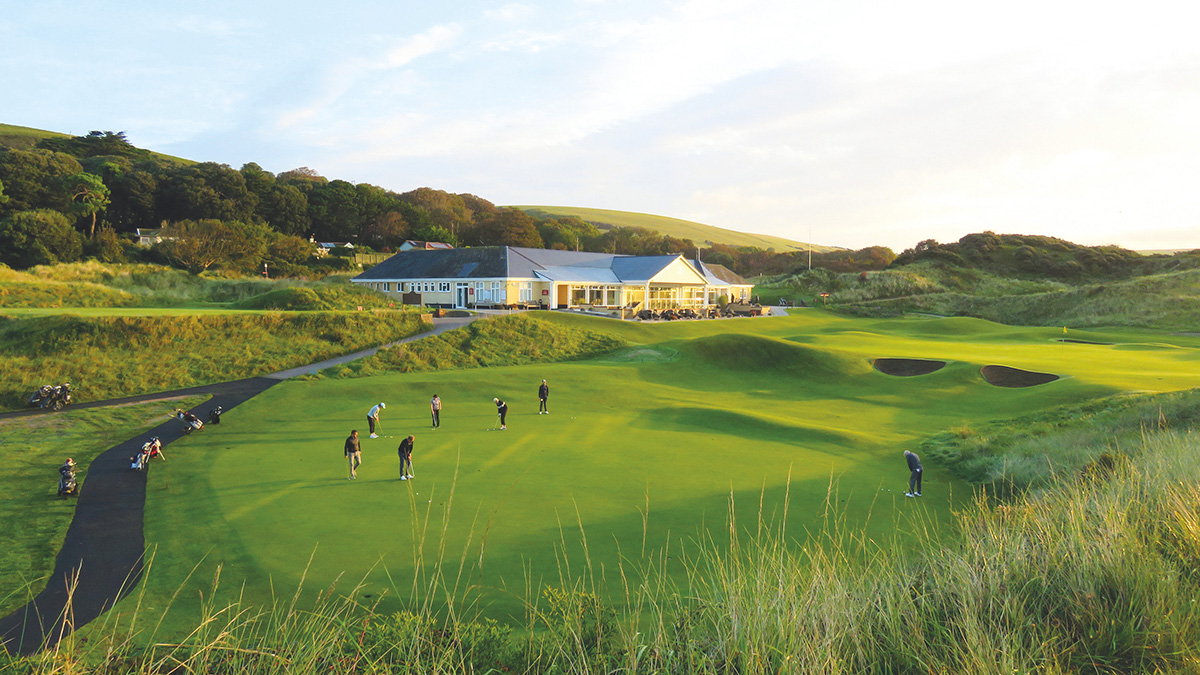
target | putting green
x=641, y=449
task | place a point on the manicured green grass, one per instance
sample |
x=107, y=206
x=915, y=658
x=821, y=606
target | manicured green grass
x=674, y=227
x=35, y=518
x=637, y=458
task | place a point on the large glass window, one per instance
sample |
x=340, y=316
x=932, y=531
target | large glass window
x=526, y=291
x=444, y=286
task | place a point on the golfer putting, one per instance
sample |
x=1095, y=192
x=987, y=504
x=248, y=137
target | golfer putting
x=914, y=477
x=405, y=452
x=373, y=418
x=501, y=412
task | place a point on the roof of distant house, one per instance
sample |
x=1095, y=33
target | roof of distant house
x=425, y=245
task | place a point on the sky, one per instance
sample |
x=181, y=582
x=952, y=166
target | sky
x=850, y=123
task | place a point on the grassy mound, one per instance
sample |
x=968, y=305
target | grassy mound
x=755, y=353
x=318, y=298
x=1162, y=301
x=1031, y=450
x=503, y=341
x=113, y=356
x=93, y=284
x=18, y=294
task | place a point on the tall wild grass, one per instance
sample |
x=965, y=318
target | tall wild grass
x=114, y=356
x=94, y=284
x=1097, y=575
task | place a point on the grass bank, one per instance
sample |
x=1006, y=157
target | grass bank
x=1163, y=302
x=1034, y=450
x=35, y=518
x=93, y=284
x=503, y=341
x=1092, y=576
x=113, y=356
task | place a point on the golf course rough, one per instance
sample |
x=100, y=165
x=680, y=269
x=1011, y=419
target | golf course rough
x=785, y=417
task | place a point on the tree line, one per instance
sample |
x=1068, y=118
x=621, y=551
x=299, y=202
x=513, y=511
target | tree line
x=73, y=197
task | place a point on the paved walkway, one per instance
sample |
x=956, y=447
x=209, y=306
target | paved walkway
x=102, y=556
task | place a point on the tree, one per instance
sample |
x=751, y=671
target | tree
x=509, y=227
x=386, y=231
x=41, y=237
x=335, y=211
x=3, y=197
x=106, y=246
x=32, y=179
x=286, y=209
x=198, y=245
x=89, y=196
x=206, y=191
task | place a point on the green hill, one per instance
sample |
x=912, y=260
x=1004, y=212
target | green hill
x=673, y=227
x=24, y=138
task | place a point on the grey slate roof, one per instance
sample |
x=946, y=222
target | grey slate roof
x=457, y=263
x=632, y=269
x=490, y=262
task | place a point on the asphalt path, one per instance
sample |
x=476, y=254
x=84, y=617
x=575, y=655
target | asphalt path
x=102, y=557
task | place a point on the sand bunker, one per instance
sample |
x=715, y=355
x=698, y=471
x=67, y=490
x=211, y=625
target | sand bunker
x=1003, y=376
x=1082, y=342
x=908, y=367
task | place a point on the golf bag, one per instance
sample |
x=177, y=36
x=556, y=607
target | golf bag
x=190, y=422
x=150, y=450
x=52, y=397
x=214, y=415
x=67, y=486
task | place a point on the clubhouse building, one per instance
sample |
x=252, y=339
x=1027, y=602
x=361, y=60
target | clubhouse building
x=508, y=276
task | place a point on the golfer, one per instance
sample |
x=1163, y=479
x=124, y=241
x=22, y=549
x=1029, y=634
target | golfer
x=502, y=411
x=543, y=394
x=435, y=410
x=353, y=453
x=373, y=418
x=914, y=480
x=405, y=452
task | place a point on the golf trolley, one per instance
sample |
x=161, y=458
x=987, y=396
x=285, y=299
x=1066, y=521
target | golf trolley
x=190, y=422
x=150, y=449
x=49, y=396
x=67, y=485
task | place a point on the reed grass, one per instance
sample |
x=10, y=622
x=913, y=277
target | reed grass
x=113, y=356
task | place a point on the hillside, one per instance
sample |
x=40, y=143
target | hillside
x=24, y=138
x=672, y=227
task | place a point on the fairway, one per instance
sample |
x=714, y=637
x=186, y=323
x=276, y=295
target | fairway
x=640, y=453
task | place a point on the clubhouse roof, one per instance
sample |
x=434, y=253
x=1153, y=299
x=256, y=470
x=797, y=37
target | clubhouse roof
x=513, y=276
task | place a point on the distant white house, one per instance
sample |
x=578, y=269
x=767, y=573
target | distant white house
x=324, y=247
x=507, y=276
x=413, y=244
x=148, y=237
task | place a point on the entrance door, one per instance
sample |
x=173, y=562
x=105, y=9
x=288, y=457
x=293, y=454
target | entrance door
x=461, y=297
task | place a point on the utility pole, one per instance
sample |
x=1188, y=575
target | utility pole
x=810, y=249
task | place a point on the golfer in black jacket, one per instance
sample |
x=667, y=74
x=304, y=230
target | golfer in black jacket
x=502, y=411
x=914, y=479
x=405, y=452
x=543, y=394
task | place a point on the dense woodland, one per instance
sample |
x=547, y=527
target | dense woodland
x=67, y=198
